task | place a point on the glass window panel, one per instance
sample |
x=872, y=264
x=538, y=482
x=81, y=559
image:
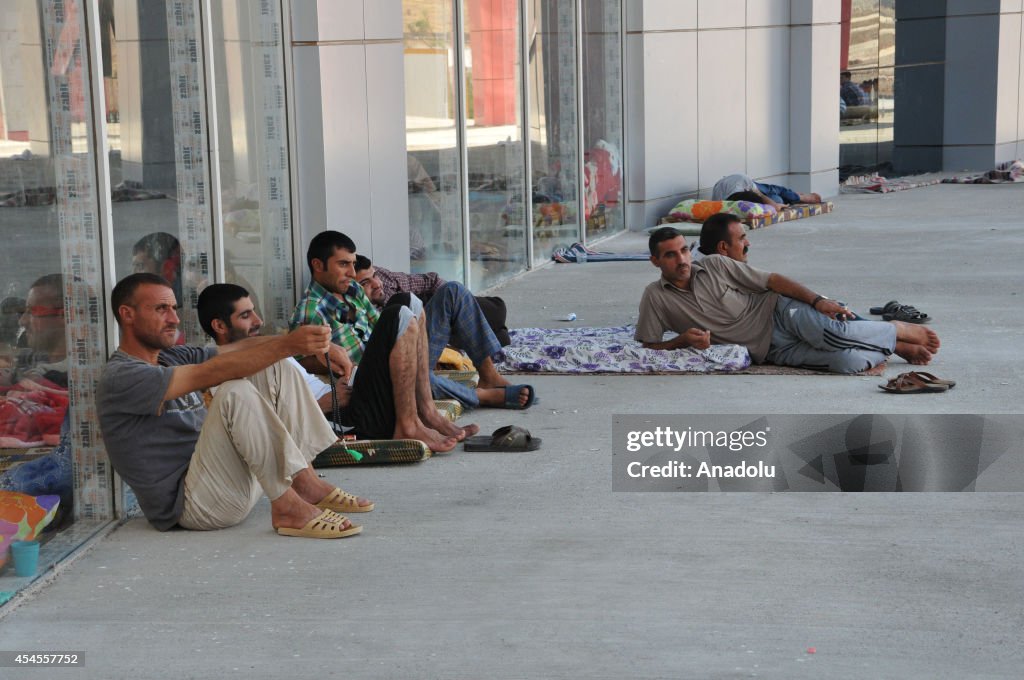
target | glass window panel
x=887, y=33
x=51, y=323
x=497, y=212
x=858, y=126
x=602, y=117
x=436, y=240
x=158, y=148
x=882, y=94
x=554, y=131
x=862, y=34
x=253, y=154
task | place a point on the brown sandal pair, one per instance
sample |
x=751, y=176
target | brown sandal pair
x=914, y=382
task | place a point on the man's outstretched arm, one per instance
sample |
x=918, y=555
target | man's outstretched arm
x=246, y=357
x=797, y=291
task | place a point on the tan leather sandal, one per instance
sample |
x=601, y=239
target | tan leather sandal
x=342, y=501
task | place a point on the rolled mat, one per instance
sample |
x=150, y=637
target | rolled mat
x=373, y=452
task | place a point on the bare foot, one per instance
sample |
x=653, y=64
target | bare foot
x=446, y=427
x=309, y=487
x=913, y=353
x=471, y=429
x=918, y=335
x=495, y=396
x=498, y=381
x=359, y=500
x=434, y=440
x=810, y=198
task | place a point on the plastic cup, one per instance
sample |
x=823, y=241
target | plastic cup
x=26, y=557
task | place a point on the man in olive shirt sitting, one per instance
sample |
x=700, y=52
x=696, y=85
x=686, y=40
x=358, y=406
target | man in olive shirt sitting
x=778, y=320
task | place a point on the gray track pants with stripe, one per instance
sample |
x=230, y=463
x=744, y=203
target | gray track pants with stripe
x=805, y=338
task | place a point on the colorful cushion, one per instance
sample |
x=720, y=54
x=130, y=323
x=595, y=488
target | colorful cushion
x=30, y=514
x=694, y=210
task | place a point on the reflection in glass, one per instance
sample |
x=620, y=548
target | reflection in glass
x=497, y=212
x=51, y=331
x=882, y=93
x=858, y=123
x=863, y=34
x=602, y=117
x=158, y=162
x=887, y=33
x=248, y=56
x=554, y=133
x=434, y=164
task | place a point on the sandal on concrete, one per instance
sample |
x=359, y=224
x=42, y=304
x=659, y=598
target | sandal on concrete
x=889, y=306
x=508, y=438
x=910, y=383
x=342, y=501
x=933, y=380
x=328, y=524
x=906, y=313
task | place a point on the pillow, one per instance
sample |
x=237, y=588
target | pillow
x=29, y=513
x=696, y=210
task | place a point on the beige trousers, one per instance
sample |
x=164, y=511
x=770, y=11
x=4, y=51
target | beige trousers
x=259, y=432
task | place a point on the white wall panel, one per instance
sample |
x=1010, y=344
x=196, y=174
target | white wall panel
x=824, y=97
x=671, y=114
x=340, y=19
x=721, y=99
x=382, y=20
x=389, y=198
x=767, y=88
x=346, y=154
x=814, y=11
x=721, y=13
x=669, y=15
x=767, y=12
x=1008, y=89
x=1020, y=93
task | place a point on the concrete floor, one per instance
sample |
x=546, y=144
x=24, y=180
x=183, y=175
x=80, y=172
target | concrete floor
x=528, y=566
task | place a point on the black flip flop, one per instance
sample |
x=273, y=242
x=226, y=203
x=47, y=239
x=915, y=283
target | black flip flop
x=884, y=309
x=906, y=313
x=510, y=438
x=894, y=311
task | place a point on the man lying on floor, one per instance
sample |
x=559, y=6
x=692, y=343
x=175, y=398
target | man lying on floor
x=778, y=320
x=202, y=469
x=740, y=187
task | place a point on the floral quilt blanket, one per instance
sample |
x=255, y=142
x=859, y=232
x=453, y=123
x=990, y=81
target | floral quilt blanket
x=609, y=350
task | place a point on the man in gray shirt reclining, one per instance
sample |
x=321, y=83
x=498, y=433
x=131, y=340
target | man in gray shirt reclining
x=777, y=319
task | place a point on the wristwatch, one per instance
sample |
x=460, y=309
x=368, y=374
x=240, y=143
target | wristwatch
x=814, y=304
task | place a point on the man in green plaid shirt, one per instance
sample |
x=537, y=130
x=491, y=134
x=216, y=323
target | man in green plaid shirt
x=370, y=339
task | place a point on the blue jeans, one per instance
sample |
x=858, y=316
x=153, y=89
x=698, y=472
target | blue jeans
x=778, y=193
x=454, y=317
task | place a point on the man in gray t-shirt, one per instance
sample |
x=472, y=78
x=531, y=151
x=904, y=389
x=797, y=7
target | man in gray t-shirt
x=206, y=469
x=777, y=319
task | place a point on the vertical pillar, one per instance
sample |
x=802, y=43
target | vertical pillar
x=349, y=123
x=814, y=96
